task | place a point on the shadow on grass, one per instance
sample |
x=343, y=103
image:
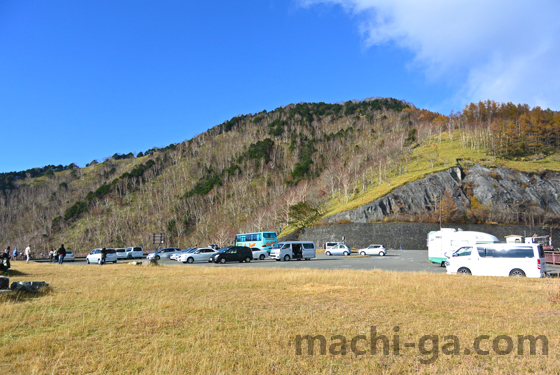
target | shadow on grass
x=13, y=272
x=22, y=295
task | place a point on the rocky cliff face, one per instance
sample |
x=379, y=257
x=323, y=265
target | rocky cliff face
x=500, y=191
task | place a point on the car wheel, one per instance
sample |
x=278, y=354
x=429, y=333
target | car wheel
x=328, y=253
x=129, y=256
x=306, y=258
x=362, y=253
x=443, y=264
x=248, y=260
x=517, y=273
x=345, y=253
x=115, y=262
x=190, y=260
x=463, y=271
x=261, y=257
x=286, y=258
x=87, y=261
x=223, y=260
x=157, y=257
x=381, y=254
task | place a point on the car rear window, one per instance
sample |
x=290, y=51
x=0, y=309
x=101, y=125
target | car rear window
x=111, y=251
x=120, y=250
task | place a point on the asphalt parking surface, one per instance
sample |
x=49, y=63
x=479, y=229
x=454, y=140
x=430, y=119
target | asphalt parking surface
x=395, y=260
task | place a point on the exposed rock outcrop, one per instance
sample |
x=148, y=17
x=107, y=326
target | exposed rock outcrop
x=499, y=188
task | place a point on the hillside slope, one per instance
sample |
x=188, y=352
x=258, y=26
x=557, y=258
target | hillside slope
x=274, y=170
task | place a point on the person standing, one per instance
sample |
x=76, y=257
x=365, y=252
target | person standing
x=61, y=254
x=6, y=259
x=27, y=253
x=103, y=256
x=15, y=253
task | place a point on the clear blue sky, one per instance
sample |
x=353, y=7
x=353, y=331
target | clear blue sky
x=82, y=80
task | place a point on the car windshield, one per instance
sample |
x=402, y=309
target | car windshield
x=277, y=245
x=225, y=249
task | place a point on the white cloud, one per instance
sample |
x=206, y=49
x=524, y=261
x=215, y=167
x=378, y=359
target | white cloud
x=499, y=50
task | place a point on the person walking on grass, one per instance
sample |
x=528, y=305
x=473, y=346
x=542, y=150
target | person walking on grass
x=27, y=253
x=103, y=256
x=61, y=254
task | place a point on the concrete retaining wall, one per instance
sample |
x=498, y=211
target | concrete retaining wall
x=411, y=236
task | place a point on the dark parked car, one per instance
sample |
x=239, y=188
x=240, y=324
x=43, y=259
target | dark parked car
x=231, y=254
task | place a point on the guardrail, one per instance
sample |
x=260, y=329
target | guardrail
x=552, y=257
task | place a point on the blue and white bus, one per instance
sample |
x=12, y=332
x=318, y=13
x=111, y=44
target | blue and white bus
x=262, y=240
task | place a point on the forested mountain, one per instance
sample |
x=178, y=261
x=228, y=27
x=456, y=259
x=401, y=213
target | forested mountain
x=269, y=170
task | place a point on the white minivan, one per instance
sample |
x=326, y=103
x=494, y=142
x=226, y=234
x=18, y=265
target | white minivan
x=498, y=260
x=134, y=252
x=293, y=250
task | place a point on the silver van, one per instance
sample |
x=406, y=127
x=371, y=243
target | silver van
x=293, y=250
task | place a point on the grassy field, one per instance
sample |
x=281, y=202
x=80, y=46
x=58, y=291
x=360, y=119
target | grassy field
x=221, y=320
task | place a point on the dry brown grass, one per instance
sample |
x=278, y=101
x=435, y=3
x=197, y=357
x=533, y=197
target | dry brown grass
x=222, y=320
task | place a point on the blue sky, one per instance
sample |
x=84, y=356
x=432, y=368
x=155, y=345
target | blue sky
x=82, y=80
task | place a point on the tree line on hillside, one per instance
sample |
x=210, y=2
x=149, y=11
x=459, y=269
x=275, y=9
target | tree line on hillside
x=252, y=172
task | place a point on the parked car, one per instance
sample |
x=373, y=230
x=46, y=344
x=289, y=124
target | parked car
x=134, y=252
x=297, y=250
x=504, y=259
x=331, y=245
x=176, y=256
x=259, y=253
x=95, y=256
x=164, y=253
x=69, y=257
x=201, y=254
x=339, y=249
x=121, y=253
x=231, y=254
x=373, y=250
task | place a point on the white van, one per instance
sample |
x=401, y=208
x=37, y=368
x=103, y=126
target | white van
x=447, y=240
x=293, y=250
x=134, y=252
x=498, y=260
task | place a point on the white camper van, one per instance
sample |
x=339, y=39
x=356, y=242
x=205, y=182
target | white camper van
x=503, y=259
x=293, y=250
x=447, y=240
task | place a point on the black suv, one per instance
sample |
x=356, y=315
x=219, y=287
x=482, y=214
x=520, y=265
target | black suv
x=232, y=253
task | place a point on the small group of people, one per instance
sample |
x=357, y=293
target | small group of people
x=6, y=257
x=58, y=255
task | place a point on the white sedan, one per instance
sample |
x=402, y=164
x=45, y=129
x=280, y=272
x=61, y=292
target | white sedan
x=176, y=256
x=373, y=250
x=164, y=253
x=259, y=254
x=202, y=254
